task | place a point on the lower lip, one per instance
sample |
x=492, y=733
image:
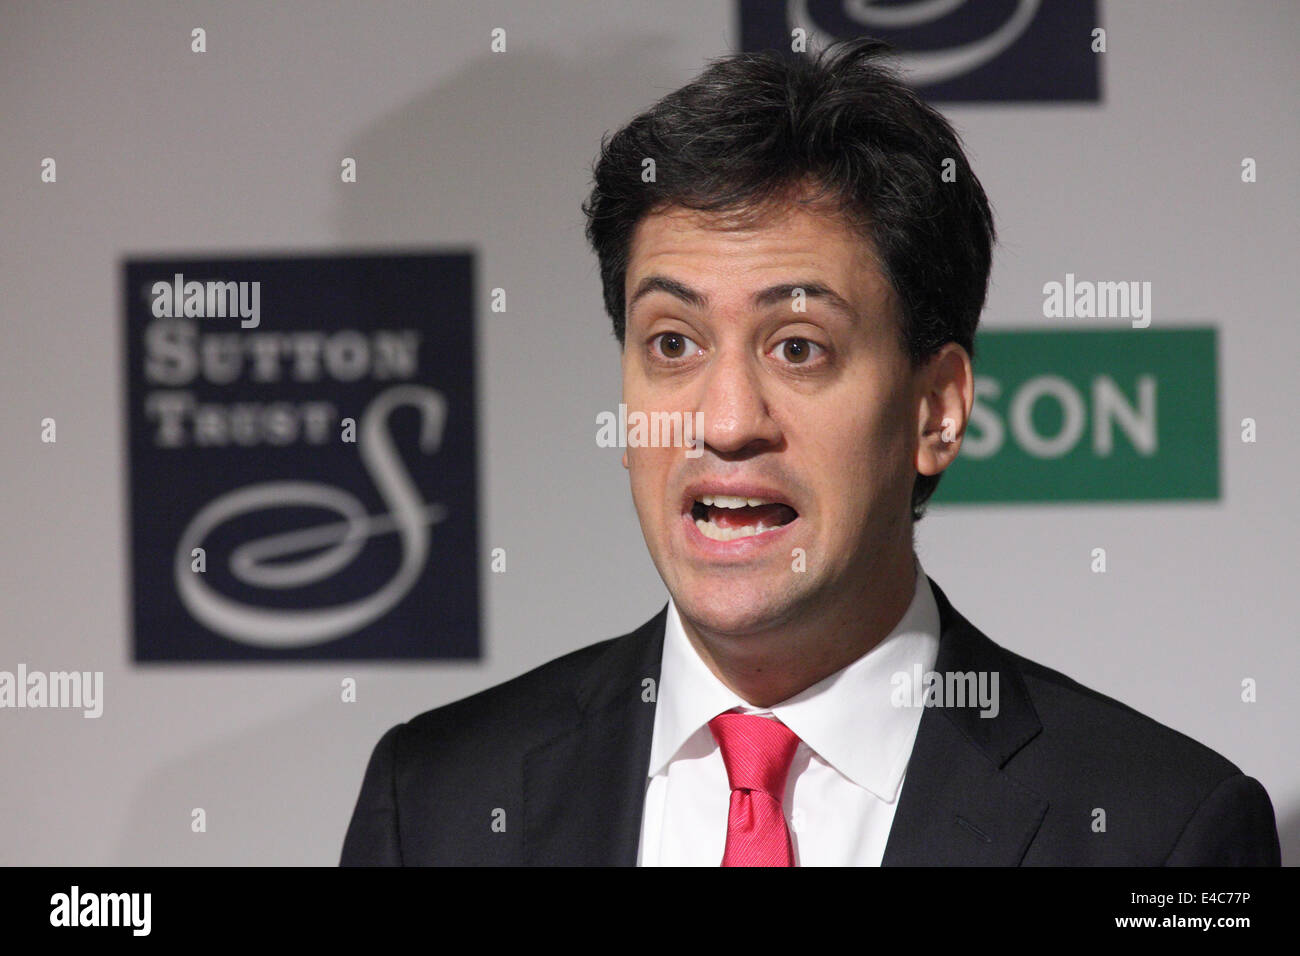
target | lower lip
x=737, y=549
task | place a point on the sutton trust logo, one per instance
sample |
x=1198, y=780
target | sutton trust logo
x=302, y=456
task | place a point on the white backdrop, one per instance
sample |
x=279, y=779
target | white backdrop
x=163, y=151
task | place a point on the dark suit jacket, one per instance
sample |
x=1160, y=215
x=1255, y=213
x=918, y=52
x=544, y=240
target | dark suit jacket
x=551, y=768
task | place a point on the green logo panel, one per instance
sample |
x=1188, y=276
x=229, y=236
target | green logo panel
x=1090, y=415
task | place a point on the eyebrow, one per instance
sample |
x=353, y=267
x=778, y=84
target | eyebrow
x=764, y=298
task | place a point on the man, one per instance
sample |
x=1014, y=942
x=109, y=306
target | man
x=804, y=270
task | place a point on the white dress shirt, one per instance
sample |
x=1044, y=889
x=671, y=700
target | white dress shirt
x=846, y=776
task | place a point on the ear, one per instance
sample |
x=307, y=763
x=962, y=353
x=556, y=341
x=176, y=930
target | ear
x=945, y=393
x=624, y=459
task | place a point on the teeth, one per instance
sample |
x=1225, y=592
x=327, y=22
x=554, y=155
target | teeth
x=710, y=530
x=732, y=501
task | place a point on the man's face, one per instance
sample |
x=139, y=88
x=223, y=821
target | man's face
x=813, y=411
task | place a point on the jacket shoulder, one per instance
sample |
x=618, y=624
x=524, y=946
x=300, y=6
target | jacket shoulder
x=531, y=705
x=439, y=785
x=1117, y=787
x=1124, y=788
x=1092, y=722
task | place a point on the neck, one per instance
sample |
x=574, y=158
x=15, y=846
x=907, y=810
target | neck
x=769, y=667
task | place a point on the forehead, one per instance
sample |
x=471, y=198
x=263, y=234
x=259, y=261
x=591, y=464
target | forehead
x=740, y=252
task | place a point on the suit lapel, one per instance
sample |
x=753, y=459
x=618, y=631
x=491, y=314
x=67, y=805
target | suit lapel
x=584, y=789
x=958, y=808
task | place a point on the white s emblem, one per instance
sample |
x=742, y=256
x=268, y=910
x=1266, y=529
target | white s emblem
x=408, y=515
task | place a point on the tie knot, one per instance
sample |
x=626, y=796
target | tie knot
x=756, y=750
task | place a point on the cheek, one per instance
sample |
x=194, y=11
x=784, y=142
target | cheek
x=855, y=460
x=649, y=473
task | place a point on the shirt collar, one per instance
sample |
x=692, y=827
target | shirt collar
x=848, y=719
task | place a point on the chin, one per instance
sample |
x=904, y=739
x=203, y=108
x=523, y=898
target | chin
x=732, y=610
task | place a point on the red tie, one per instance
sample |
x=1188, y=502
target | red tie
x=757, y=752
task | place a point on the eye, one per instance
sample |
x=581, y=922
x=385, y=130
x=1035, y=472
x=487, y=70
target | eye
x=673, y=345
x=797, y=351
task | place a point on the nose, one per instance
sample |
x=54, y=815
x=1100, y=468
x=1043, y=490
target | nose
x=735, y=414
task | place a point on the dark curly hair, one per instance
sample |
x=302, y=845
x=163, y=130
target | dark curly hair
x=754, y=129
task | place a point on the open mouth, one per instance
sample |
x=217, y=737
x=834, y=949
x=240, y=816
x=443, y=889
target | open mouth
x=727, y=517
